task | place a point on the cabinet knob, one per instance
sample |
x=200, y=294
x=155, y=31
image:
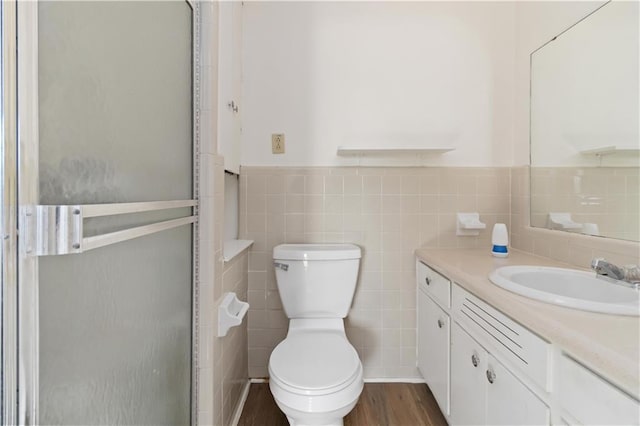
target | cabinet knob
x=428, y=280
x=440, y=322
x=475, y=360
x=491, y=375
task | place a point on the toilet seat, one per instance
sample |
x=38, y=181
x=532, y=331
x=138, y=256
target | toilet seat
x=314, y=362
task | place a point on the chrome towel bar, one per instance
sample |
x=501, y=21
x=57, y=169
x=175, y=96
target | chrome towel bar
x=56, y=230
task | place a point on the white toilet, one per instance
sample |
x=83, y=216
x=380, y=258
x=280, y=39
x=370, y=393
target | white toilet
x=315, y=373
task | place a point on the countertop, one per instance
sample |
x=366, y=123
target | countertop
x=608, y=344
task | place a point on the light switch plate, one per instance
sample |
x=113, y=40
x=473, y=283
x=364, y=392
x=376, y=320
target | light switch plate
x=277, y=143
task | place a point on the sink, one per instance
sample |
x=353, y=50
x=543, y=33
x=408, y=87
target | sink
x=568, y=287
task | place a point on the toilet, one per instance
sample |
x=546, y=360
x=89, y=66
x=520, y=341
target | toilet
x=315, y=374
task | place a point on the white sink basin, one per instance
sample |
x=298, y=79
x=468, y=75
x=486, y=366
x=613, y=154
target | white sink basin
x=568, y=287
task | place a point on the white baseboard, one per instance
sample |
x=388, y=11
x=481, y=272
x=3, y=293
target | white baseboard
x=395, y=380
x=370, y=380
x=240, y=406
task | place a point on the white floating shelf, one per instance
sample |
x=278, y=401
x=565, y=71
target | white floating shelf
x=610, y=149
x=346, y=151
x=232, y=248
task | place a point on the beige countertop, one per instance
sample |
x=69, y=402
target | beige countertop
x=608, y=344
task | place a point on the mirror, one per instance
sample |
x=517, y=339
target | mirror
x=584, y=126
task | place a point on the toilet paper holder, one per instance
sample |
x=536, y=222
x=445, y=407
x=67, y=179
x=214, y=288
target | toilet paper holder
x=231, y=311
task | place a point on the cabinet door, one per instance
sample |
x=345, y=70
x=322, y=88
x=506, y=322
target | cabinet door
x=591, y=399
x=509, y=402
x=433, y=348
x=229, y=83
x=468, y=381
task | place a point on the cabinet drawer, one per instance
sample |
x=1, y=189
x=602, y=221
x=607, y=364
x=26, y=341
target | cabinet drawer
x=592, y=400
x=505, y=337
x=435, y=284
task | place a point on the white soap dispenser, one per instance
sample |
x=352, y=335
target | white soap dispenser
x=500, y=240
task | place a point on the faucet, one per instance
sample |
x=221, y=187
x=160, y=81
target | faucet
x=628, y=275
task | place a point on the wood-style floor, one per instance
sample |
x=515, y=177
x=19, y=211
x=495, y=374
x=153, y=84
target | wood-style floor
x=380, y=404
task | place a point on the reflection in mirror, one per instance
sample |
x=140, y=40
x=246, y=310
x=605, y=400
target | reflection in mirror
x=584, y=127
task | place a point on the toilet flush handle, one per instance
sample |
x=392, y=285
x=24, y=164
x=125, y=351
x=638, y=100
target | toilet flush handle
x=282, y=266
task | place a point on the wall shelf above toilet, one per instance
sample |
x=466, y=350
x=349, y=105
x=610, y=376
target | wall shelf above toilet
x=344, y=151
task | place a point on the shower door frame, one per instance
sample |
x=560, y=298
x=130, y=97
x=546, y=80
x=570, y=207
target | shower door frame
x=20, y=330
x=8, y=148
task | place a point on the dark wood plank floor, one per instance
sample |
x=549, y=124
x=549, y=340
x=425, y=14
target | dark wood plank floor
x=381, y=404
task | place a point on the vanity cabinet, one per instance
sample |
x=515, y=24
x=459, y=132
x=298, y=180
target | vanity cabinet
x=484, y=367
x=483, y=391
x=458, y=369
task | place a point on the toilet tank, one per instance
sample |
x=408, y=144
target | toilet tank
x=316, y=280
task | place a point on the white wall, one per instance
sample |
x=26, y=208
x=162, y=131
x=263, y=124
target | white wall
x=331, y=74
x=538, y=22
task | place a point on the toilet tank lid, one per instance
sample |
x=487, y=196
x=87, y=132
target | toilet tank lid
x=316, y=252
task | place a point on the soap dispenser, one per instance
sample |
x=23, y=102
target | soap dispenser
x=500, y=240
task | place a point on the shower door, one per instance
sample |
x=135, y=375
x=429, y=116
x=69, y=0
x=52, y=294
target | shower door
x=106, y=212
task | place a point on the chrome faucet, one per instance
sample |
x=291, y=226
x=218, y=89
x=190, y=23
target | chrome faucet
x=629, y=275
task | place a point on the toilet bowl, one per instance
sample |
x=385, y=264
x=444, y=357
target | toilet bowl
x=315, y=374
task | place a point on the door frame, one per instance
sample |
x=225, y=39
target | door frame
x=8, y=191
x=20, y=330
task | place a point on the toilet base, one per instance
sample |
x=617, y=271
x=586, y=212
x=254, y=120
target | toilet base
x=338, y=422
x=332, y=418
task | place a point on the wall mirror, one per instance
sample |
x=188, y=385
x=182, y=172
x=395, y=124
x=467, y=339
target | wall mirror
x=584, y=126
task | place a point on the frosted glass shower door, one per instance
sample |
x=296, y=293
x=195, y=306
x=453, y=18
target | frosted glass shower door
x=115, y=155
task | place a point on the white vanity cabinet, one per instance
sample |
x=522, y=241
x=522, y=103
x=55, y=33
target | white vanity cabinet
x=434, y=326
x=485, y=368
x=483, y=391
x=457, y=368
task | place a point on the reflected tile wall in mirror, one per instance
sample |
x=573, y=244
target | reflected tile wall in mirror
x=605, y=201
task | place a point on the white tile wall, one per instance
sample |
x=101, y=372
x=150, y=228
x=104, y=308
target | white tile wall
x=606, y=196
x=223, y=360
x=567, y=247
x=231, y=373
x=389, y=212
